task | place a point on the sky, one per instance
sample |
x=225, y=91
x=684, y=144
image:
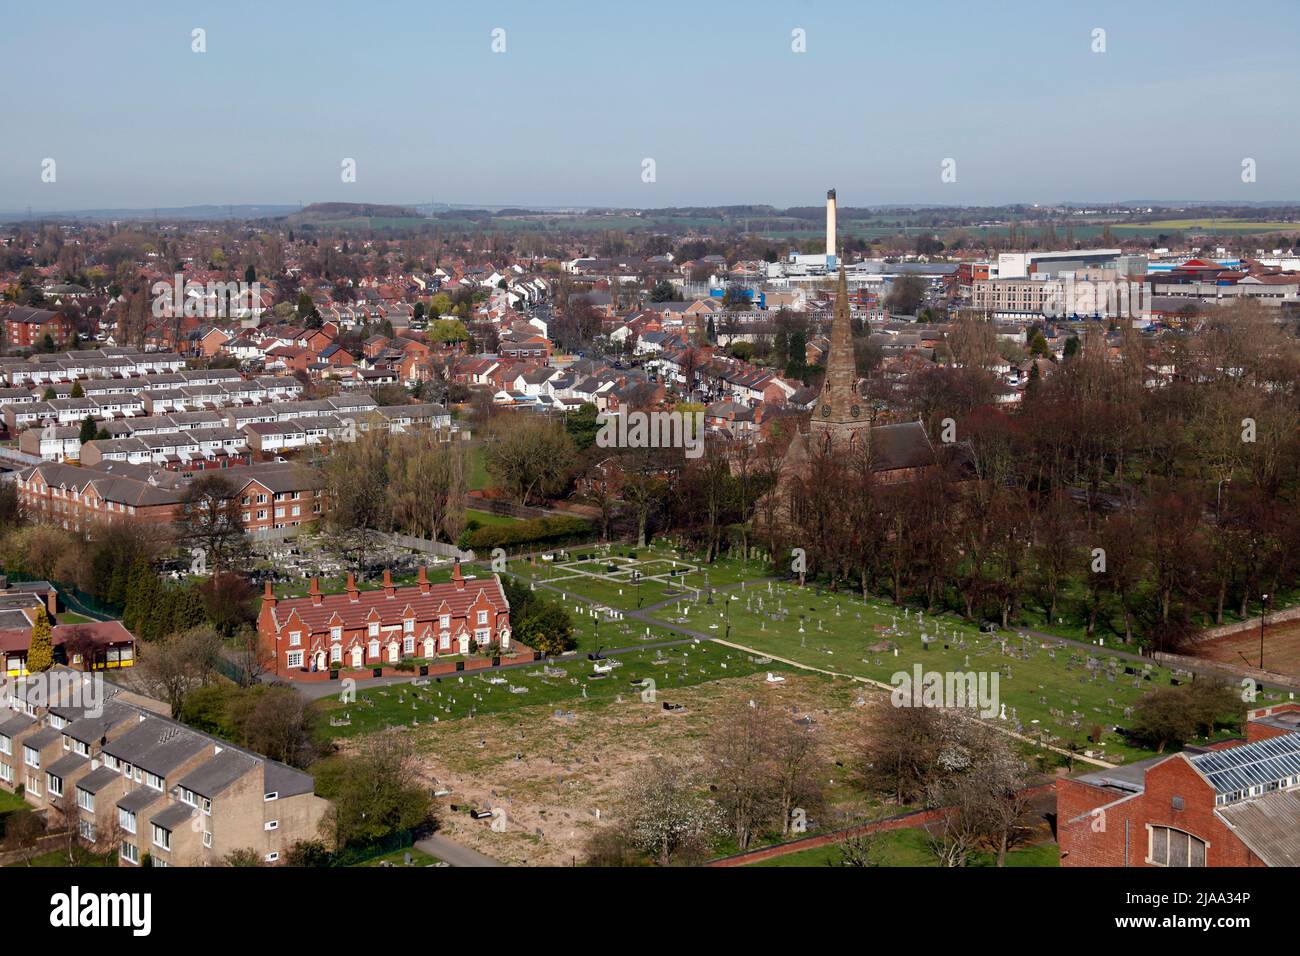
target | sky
x=714, y=93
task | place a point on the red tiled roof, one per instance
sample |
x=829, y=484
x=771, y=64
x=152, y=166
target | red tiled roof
x=426, y=607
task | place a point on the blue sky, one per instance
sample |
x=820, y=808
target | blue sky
x=586, y=91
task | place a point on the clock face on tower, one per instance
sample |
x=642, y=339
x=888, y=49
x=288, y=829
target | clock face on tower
x=826, y=409
x=855, y=411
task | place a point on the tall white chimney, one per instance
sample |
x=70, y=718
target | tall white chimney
x=830, y=229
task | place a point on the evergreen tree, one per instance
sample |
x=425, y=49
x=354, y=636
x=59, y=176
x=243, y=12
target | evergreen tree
x=40, y=655
x=88, y=429
x=77, y=390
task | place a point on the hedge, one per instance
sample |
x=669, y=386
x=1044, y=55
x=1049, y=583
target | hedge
x=550, y=530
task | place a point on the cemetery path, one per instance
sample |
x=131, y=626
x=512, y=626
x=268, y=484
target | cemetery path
x=454, y=853
x=889, y=687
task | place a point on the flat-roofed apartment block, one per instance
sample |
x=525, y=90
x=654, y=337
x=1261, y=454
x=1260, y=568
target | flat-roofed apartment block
x=148, y=787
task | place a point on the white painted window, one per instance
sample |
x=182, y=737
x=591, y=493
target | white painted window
x=126, y=820
x=162, y=837
x=295, y=658
x=131, y=853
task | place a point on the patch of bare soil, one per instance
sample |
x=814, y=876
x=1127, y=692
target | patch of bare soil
x=558, y=779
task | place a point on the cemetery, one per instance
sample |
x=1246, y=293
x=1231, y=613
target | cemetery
x=627, y=578
x=1051, y=692
x=643, y=679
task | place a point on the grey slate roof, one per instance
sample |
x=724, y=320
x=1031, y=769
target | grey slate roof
x=67, y=764
x=15, y=725
x=158, y=746
x=98, y=779
x=286, y=781
x=43, y=738
x=213, y=776
x=138, y=799
x=172, y=816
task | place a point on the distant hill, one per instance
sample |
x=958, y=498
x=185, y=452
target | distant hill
x=190, y=213
x=348, y=210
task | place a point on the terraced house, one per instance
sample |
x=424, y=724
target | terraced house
x=369, y=628
x=154, y=790
x=274, y=495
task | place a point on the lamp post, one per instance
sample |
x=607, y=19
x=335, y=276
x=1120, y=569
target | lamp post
x=1263, y=614
x=1218, y=498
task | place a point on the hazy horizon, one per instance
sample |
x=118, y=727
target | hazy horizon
x=582, y=96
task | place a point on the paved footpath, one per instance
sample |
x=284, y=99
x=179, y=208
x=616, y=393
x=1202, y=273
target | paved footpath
x=454, y=853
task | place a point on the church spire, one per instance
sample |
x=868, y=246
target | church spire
x=839, y=408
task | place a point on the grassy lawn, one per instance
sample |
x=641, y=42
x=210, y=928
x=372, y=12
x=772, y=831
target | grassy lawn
x=491, y=692
x=11, y=801
x=68, y=617
x=909, y=848
x=478, y=478
x=1033, y=679
x=489, y=519
x=398, y=858
x=59, y=858
x=664, y=572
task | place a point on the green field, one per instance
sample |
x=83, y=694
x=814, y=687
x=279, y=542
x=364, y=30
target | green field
x=478, y=478
x=1209, y=225
x=839, y=632
x=456, y=697
x=489, y=519
x=909, y=848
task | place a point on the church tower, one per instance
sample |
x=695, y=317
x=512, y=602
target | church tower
x=840, y=415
